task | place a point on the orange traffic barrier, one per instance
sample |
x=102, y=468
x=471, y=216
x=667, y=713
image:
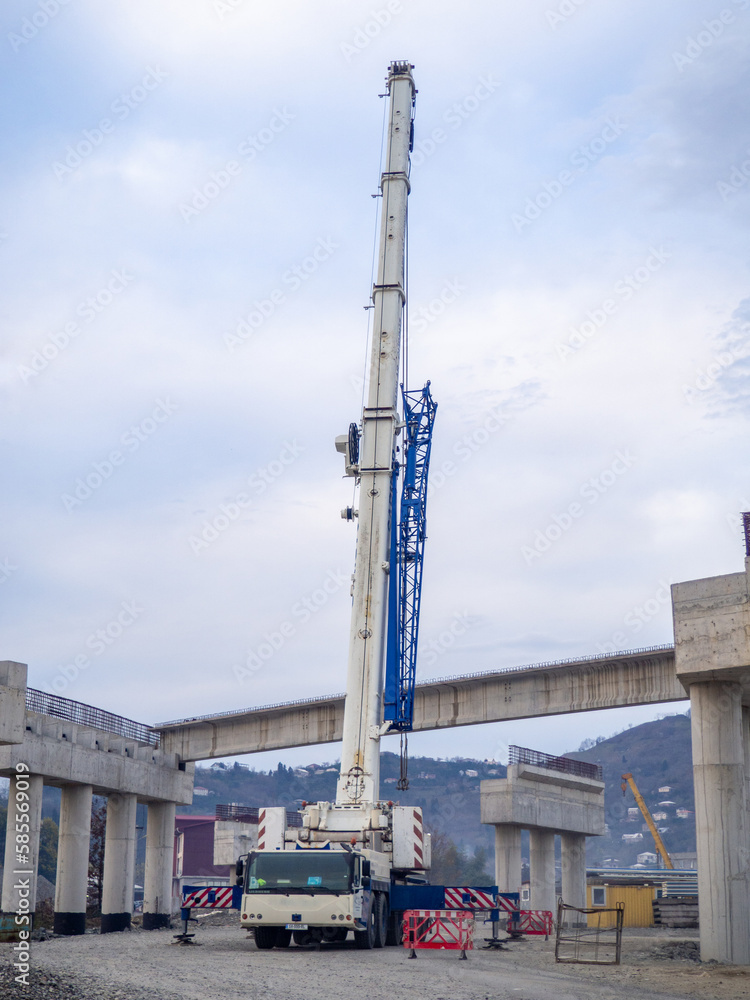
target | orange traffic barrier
x=535, y=922
x=443, y=929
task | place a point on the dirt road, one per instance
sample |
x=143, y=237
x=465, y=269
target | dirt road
x=225, y=965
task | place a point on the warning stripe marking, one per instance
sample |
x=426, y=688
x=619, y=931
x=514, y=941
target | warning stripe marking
x=209, y=898
x=457, y=897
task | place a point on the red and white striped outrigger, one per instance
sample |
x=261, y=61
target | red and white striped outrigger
x=466, y=898
x=209, y=897
x=206, y=897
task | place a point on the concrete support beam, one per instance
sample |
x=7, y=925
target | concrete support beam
x=626, y=679
x=68, y=753
x=22, y=843
x=508, y=857
x=157, y=889
x=73, y=859
x=119, y=863
x=573, y=858
x=542, y=870
x=721, y=821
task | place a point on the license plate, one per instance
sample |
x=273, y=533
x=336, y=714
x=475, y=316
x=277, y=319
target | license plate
x=296, y=927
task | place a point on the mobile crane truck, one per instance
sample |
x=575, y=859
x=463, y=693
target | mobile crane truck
x=350, y=865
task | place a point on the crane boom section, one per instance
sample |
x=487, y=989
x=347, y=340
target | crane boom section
x=408, y=546
x=660, y=847
x=359, y=780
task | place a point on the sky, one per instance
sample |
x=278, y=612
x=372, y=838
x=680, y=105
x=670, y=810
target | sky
x=186, y=234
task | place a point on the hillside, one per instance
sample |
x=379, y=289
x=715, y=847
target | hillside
x=657, y=753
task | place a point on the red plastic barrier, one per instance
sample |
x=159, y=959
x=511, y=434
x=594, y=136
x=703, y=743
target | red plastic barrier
x=443, y=929
x=535, y=922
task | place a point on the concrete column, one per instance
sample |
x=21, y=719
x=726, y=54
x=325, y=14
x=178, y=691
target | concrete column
x=746, y=742
x=542, y=870
x=73, y=859
x=721, y=821
x=119, y=863
x=157, y=889
x=22, y=831
x=508, y=857
x=573, y=856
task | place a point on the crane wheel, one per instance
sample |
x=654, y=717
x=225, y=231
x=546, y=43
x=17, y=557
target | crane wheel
x=366, y=939
x=266, y=937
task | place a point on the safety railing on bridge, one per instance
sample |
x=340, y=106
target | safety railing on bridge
x=87, y=715
x=567, y=765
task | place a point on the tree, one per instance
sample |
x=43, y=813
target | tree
x=96, y=853
x=448, y=860
x=48, y=837
x=478, y=869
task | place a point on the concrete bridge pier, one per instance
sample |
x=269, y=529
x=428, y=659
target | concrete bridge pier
x=119, y=863
x=712, y=661
x=545, y=795
x=722, y=827
x=73, y=859
x=542, y=870
x=573, y=857
x=507, y=857
x=21, y=862
x=157, y=894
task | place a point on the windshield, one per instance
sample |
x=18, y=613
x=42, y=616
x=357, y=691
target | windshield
x=299, y=871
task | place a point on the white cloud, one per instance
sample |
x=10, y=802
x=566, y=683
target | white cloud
x=294, y=376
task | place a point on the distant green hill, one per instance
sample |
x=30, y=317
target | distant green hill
x=657, y=753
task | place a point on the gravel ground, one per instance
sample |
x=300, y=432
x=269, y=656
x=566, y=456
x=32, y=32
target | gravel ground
x=224, y=964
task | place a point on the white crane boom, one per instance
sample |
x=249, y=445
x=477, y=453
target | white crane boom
x=359, y=780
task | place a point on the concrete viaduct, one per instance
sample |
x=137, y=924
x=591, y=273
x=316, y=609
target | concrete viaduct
x=43, y=741
x=643, y=677
x=48, y=740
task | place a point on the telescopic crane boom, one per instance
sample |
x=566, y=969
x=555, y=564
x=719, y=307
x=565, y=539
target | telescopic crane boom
x=359, y=780
x=628, y=779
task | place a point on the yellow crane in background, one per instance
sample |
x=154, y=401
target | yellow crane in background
x=628, y=779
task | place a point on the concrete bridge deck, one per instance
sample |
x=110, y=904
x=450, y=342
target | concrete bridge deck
x=636, y=677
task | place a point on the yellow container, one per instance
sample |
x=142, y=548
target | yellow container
x=636, y=900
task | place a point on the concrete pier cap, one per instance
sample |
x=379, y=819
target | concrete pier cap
x=712, y=630
x=534, y=797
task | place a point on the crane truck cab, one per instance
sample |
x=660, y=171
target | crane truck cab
x=316, y=894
